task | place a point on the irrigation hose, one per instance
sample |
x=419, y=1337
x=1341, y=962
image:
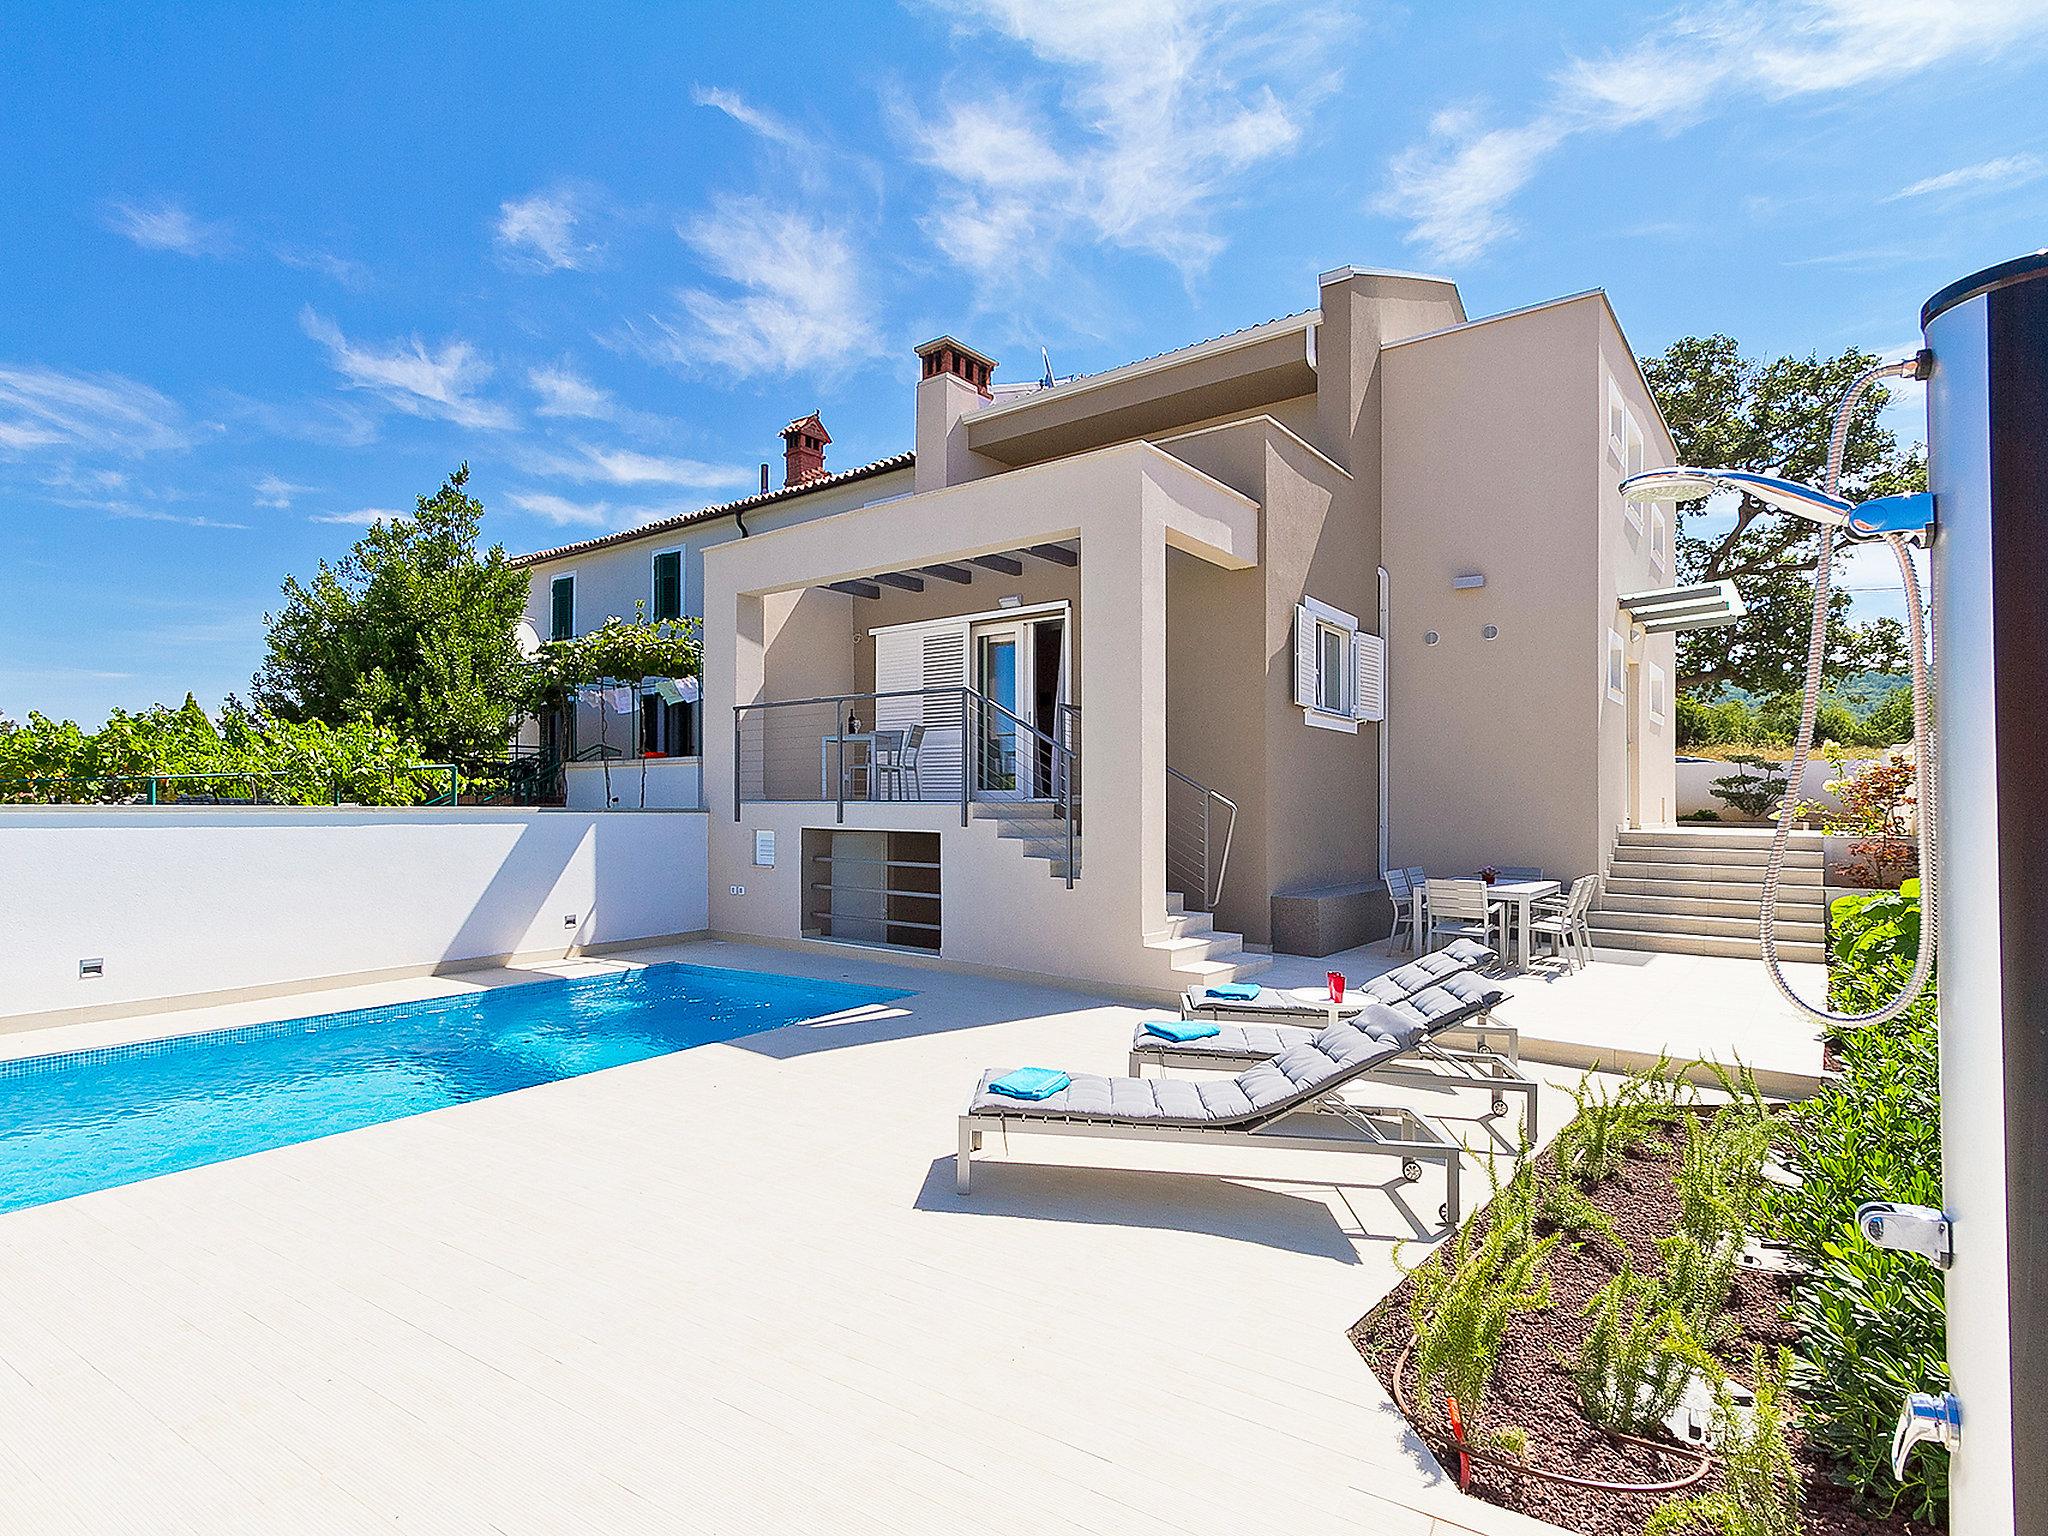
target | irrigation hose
x=1598, y=1484
x=1925, y=774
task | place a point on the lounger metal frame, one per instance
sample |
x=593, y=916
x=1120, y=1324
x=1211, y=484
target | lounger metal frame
x=1482, y=1033
x=1381, y=1130
x=1446, y=1066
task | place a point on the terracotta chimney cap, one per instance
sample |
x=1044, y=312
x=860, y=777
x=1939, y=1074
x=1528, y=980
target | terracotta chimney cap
x=943, y=354
x=803, y=449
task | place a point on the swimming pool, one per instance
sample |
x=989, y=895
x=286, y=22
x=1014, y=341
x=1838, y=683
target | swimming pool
x=89, y=1120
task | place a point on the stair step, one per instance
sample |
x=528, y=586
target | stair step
x=1215, y=972
x=1695, y=901
x=1714, y=837
x=1701, y=852
x=1006, y=810
x=1701, y=944
x=1790, y=892
x=1734, y=927
x=1712, y=874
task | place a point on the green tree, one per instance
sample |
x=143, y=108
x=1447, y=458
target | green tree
x=413, y=629
x=1732, y=412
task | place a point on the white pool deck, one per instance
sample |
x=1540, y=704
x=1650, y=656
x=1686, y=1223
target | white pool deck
x=732, y=1290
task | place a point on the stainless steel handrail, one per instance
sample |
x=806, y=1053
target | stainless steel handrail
x=1211, y=890
x=976, y=711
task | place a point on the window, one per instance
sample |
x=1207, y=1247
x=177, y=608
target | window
x=668, y=585
x=1339, y=672
x=1632, y=463
x=1653, y=675
x=1617, y=419
x=562, y=608
x=1660, y=536
x=1617, y=667
x=667, y=729
x=1333, y=668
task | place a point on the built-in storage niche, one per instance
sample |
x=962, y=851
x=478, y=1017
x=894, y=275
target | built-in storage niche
x=871, y=887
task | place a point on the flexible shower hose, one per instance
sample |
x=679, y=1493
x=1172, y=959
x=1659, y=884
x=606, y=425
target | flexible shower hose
x=1924, y=770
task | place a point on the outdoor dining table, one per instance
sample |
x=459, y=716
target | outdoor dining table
x=848, y=739
x=1518, y=896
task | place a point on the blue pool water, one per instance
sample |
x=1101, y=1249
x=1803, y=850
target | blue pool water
x=92, y=1119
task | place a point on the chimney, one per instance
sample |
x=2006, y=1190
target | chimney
x=946, y=355
x=803, y=450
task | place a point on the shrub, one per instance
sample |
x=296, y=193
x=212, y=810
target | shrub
x=1465, y=1301
x=309, y=763
x=1891, y=722
x=1609, y=1126
x=1877, y=808
x=1633, y=1365
x=1759, y=1492
x=1720, y=1190
x=1755, y=788
x=1871, y=1322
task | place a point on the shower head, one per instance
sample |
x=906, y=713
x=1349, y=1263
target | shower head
x=1682, y=484
x=1910, y=515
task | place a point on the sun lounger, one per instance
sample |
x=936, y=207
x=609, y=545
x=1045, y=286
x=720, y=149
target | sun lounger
x=1455, y=1009
x=1293, y=1102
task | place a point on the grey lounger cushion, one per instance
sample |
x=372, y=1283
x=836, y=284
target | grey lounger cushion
x=1434, y=1009
x=1453, y=959
x=1297, y=1074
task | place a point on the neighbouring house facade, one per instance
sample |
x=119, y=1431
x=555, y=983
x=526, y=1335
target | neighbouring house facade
x=1123, y=678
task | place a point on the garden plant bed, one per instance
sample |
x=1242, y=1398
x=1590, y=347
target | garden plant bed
x=1533, y=1389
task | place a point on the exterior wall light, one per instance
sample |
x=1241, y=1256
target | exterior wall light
x=1469, y=583
x=1431, y=638
x=1491, y=632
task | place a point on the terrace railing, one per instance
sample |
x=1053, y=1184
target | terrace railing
x=423, y=784
x=952, y=746
x=1200, y=824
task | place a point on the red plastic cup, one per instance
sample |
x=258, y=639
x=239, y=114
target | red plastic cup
x=1337, y=987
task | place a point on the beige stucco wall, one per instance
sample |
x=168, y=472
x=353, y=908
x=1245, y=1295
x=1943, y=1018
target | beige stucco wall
x=1127, y=506
x=1508, y=751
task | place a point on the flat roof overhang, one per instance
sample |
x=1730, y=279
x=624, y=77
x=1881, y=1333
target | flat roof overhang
x=1232, y=374
x=1668, y=610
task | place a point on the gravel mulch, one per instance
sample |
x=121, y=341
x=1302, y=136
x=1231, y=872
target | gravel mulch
x=1533, y=1389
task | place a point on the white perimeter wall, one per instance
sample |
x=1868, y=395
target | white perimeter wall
x=1695, y=778
x=182, y=903
x=672, y=784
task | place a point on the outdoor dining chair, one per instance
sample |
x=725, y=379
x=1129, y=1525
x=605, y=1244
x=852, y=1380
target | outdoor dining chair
x=1562, y=919
x=1407, y=899
x=895, y=763
x=1459, y=909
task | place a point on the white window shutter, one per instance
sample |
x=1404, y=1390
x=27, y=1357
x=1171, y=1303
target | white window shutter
x=1369, y=677
x=1304, y=657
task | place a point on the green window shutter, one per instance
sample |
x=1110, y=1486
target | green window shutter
x=562, y=617
x=668, y=585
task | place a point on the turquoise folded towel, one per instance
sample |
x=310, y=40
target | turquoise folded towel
x=1181, y=1031
x=1030, y=1083
x=1236, y=991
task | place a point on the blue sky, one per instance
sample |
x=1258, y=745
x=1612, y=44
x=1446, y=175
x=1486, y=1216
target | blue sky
x=272, y=270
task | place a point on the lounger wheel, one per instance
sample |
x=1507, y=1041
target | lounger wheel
x=1443, y=1212
x=1411, y=1170
x=1500, y=1107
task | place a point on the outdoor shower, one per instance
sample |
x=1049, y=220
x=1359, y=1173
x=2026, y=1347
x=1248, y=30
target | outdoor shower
x=1983, y=853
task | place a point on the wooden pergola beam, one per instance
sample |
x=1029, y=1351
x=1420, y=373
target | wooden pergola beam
x=1058, y=554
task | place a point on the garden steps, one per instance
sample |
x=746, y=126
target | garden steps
x=1700, y=891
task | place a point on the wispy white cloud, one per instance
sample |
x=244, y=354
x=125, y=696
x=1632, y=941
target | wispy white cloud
x=440, y=382
x=588, y=463
x=275, y=491
x=565, y=392
x=329, y=423
x=2002, y=174
x=358, y=519
x=561, y=511
x=1166, y=108
x=143, y=514
x=747, y=115
x=168, y=226
x=345, y=270
x=49, y=409
x=792, y=297
x=1455, y=189
x=543, y=230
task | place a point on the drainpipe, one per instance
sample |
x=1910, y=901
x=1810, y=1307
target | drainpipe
x=1387, y=666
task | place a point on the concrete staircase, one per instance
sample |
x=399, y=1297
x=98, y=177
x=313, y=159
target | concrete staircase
x=1192, y=950
x=1198, y=953
x=1699, y=891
